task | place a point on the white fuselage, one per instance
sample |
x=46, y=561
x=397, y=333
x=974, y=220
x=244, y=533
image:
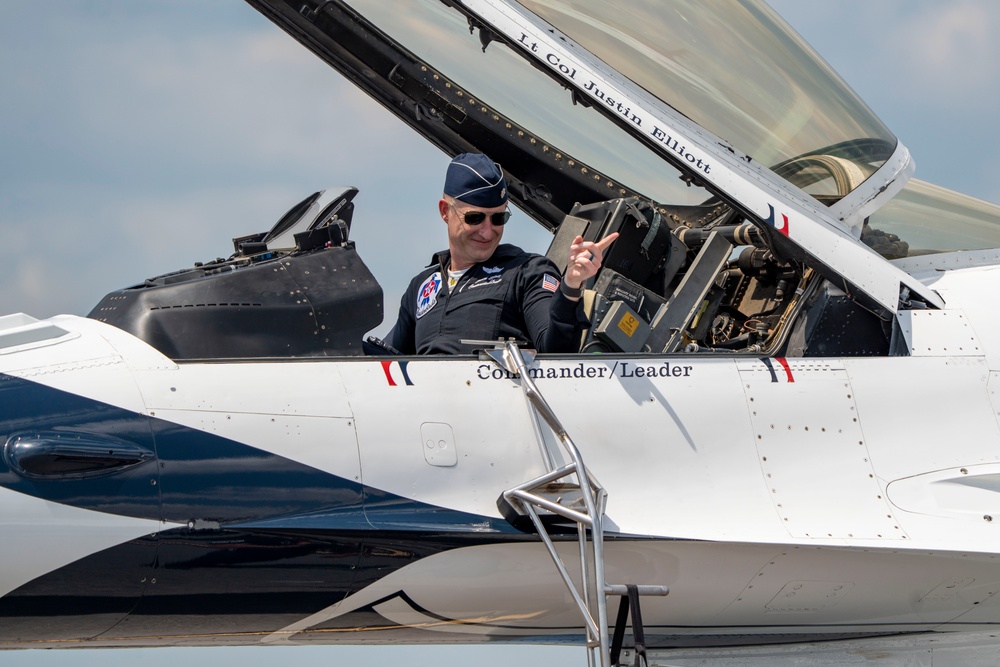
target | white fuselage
x=771, y=495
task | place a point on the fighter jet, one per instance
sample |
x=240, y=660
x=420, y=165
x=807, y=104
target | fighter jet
x=778, y=436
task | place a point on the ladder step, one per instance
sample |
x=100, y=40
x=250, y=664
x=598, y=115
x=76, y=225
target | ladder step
x=567, y=495
x=641, y=589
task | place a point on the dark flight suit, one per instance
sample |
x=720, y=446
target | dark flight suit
x=513, y=294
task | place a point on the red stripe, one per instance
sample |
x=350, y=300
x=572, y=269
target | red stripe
x=788, y=371
x=388, y=376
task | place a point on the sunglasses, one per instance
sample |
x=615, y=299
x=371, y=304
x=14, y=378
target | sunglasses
x=473, y=218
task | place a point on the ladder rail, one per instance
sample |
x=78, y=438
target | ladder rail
x=547, y=477
x=513, y=353
x=592, y=629
x=594, y=588
x=589, y=487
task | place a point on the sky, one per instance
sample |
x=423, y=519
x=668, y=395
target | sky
x=138, y=137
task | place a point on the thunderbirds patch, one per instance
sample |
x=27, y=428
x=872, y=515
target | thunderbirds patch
x=427, y=295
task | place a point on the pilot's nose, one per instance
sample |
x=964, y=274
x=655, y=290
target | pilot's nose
x=487, y=231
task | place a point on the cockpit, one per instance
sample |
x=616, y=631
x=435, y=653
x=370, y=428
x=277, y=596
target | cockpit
x=686, y=279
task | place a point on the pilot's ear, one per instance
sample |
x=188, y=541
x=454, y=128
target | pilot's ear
x=443, y=209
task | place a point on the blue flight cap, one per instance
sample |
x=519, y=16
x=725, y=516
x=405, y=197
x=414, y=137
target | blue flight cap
x=475, y=179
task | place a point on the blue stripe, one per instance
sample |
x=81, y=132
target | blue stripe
x=205, y=477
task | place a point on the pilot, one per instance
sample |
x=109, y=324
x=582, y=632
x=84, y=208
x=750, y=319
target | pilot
x=480, y=289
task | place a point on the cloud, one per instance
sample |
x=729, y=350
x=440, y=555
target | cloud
x=32, y=284
x=127, y=101
x=946, y=44
x=251, y=99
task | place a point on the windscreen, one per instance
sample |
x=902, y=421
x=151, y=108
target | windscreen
x=735, y=68
x=928, y=218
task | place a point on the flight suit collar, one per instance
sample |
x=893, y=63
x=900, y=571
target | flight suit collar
x=503, y=252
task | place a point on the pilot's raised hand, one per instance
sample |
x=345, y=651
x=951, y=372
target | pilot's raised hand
x=584, y=261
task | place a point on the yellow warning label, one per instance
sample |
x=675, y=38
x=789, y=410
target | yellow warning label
x=628, y=324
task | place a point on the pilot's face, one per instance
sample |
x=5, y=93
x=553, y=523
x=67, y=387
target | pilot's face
x=470, y=243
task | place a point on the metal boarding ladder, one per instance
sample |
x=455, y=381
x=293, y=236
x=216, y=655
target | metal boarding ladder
x=571, y=492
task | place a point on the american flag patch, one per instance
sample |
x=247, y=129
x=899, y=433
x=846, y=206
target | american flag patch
x=550, y=282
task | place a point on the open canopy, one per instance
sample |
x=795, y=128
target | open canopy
x=700, y=109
